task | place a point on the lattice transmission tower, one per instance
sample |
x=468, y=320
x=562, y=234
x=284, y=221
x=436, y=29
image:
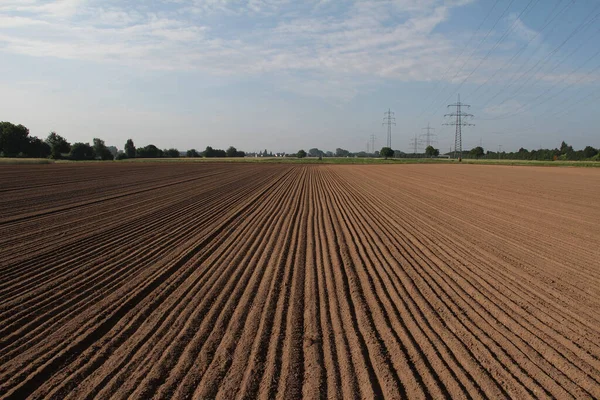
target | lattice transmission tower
x=415, y=143
x=372, y=138
x=429, y=138
x=389, y=120
x=461, y=120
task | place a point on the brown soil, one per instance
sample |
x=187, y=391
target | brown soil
x=289, y=281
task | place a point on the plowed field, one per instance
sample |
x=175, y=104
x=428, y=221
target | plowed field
x=248, y=280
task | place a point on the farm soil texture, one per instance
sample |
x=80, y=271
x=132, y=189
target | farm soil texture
x=295, y=281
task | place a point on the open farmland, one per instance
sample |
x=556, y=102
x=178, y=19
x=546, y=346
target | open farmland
x=231, y=281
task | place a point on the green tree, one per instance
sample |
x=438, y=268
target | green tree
x=130, y=149
x=192, y=153
x=341, y=152
x=430, y=151
x=231, y=152
x=589, y=152
x=38, y=148
x=172, y=153
x=314, y=152
x=82, y=151
x=565, y=148
x=101, y=151
x=150, y=151
x=301, y=154
x=477, y=152
x=209, y=152
x=58, y=145
x=13, y=139
x=386, y=152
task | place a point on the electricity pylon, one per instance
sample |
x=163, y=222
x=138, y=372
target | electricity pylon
x=459, y=123
x=429, y=137
x=372, y=137
x=389, y=120
x=415, y=143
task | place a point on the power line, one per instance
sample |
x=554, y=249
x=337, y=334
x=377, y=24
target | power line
x=550, y=54
x=500, y=40
x=522, y=49
x=461, y=120
x=530, y=105
x=473, y=52
x=389, y=120
x=445, y=75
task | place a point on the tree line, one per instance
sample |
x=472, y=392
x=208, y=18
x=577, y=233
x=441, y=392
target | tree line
x=15, y=141
x=563, y=153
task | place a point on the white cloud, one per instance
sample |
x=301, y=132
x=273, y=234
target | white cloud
x=362, y=39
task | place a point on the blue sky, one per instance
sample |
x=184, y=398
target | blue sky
x=285, y=75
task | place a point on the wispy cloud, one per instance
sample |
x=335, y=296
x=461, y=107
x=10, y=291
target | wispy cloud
x=336, y=44
x=361, y=39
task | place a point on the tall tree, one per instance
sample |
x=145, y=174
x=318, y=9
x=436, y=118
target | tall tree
x=58, y=145
x=301, y=154
x=130, y=149
x=101, y=151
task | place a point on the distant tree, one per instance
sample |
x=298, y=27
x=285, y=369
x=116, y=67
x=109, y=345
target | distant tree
x=231, y=152
x=341, y=152
x=314, y=152
x=150, y=151
x=328, y=154
x=398, y=154
x=38, y=148
x=13, y=139
x=209, y=152
x=192, y=153
x=82, y=151
x=477, y=152
x=121, y=155
x=171, y=153
x=58, y=145
x=565, y=148
x=130, y=149
x=101, y=151
x=240, y=153
x=301, y=154
x=589, y=152
x=113, y=150
x=430, y=151
x=386, y=152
